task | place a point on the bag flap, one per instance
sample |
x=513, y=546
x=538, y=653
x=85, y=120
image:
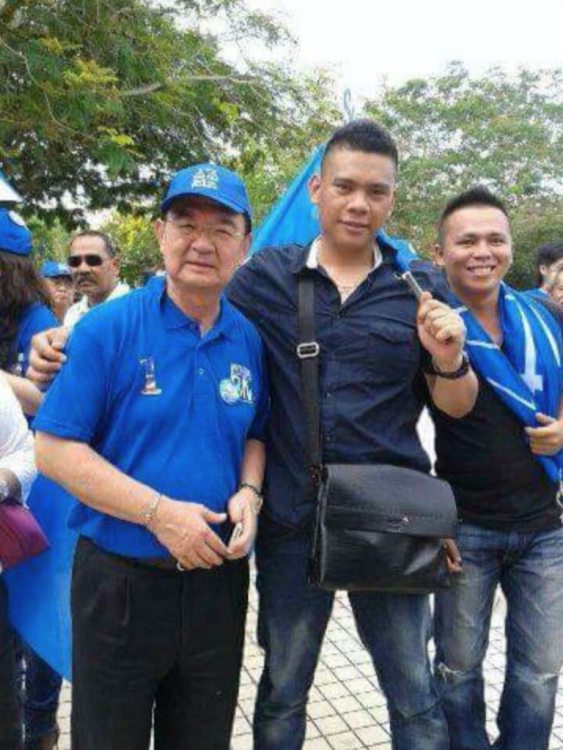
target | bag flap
x=388, y=498
x=20, y=534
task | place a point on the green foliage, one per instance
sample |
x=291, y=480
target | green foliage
x=100, y=100
x=268, y=164
x=454, y=131
x=50, y=242
x=533, y=224
x=136, y=244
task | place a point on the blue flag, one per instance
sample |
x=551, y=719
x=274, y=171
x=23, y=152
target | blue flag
x=39, y=588
x=293, y=218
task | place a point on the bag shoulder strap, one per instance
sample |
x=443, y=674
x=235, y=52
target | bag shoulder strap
x=308, y=352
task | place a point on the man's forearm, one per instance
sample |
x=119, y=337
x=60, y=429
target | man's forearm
x=455, y=398
x=253, y=463
x=92, y=479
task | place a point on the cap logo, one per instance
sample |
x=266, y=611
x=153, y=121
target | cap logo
x=16, y=218
x=207, y=178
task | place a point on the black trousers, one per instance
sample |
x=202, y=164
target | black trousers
x=154, y=646
x=10, y=704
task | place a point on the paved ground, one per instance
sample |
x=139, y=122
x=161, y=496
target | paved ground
x=347, y=710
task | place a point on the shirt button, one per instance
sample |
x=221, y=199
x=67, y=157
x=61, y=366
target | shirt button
x=201, y=371
x=329, y=394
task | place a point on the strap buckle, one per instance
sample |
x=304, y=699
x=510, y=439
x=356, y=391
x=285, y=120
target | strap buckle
x=317, y=474
x=308, y=349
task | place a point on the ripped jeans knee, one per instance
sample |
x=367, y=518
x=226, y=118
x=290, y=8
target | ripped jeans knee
x=452, y=674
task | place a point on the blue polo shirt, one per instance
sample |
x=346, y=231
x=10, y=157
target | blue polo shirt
x=33, y=319
x=167, y=406
x=370, y=370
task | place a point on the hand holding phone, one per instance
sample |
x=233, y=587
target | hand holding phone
x=236, y=533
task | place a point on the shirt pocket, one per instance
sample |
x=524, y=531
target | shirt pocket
x=392, y=352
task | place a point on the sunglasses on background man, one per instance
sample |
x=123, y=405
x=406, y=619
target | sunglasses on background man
x=91, y=259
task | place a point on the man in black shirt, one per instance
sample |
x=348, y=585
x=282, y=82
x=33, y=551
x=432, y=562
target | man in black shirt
x=371, y=338
x=510, y=532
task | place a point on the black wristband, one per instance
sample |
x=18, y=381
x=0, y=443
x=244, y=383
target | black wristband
x=461, y=371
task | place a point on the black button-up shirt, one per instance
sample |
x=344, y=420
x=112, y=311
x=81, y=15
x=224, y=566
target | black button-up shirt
x=370, y=365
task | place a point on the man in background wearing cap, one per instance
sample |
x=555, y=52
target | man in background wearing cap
x=58, y=280
x=94, y=269
x=164, y=455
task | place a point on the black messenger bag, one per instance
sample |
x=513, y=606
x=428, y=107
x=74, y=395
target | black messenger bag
x=377, y=527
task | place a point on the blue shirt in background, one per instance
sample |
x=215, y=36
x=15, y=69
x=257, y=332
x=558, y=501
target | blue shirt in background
x=33, y=319
x=167, y=406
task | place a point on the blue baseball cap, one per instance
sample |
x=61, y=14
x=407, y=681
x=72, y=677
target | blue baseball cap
x=50, y=269
x=211, y=181
x=15, y=237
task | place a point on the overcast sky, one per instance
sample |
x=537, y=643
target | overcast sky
x=365, y=42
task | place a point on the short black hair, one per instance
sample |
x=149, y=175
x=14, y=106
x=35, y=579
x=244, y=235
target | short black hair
x=475, y=196
x=546, y=254
x=111, y=249
x=363, y=135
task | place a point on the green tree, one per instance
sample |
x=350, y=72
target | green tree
x=101, y=99
x=50, y=241
x=136, y=245
x=533, y=224
x=454, y=130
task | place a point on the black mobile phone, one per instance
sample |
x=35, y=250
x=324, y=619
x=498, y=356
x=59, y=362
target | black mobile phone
x=236, y=533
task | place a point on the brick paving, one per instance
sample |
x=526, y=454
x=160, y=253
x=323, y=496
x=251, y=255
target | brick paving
x=346, y=709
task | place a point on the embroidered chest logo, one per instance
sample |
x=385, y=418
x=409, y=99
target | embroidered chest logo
x=206, y=178
x=150, y=386
x=238, y=387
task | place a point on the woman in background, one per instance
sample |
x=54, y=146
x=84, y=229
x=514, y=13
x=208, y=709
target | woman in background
x=24, y=311
x=17, y=471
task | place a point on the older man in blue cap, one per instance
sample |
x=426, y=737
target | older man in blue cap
x=164, y=456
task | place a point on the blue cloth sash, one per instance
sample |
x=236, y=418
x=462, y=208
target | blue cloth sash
x=526, y=374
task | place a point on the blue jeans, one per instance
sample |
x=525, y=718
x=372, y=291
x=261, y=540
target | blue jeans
x=41, y=697
x=529, y=568
x=292, y=620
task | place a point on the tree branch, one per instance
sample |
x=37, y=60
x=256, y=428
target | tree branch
x=150, y=88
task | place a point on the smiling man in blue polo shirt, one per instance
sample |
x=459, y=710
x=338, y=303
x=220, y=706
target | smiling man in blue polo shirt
x=162, y=449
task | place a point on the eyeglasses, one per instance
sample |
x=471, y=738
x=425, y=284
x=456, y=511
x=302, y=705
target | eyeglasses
x=219, y=235
x=91, y=259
